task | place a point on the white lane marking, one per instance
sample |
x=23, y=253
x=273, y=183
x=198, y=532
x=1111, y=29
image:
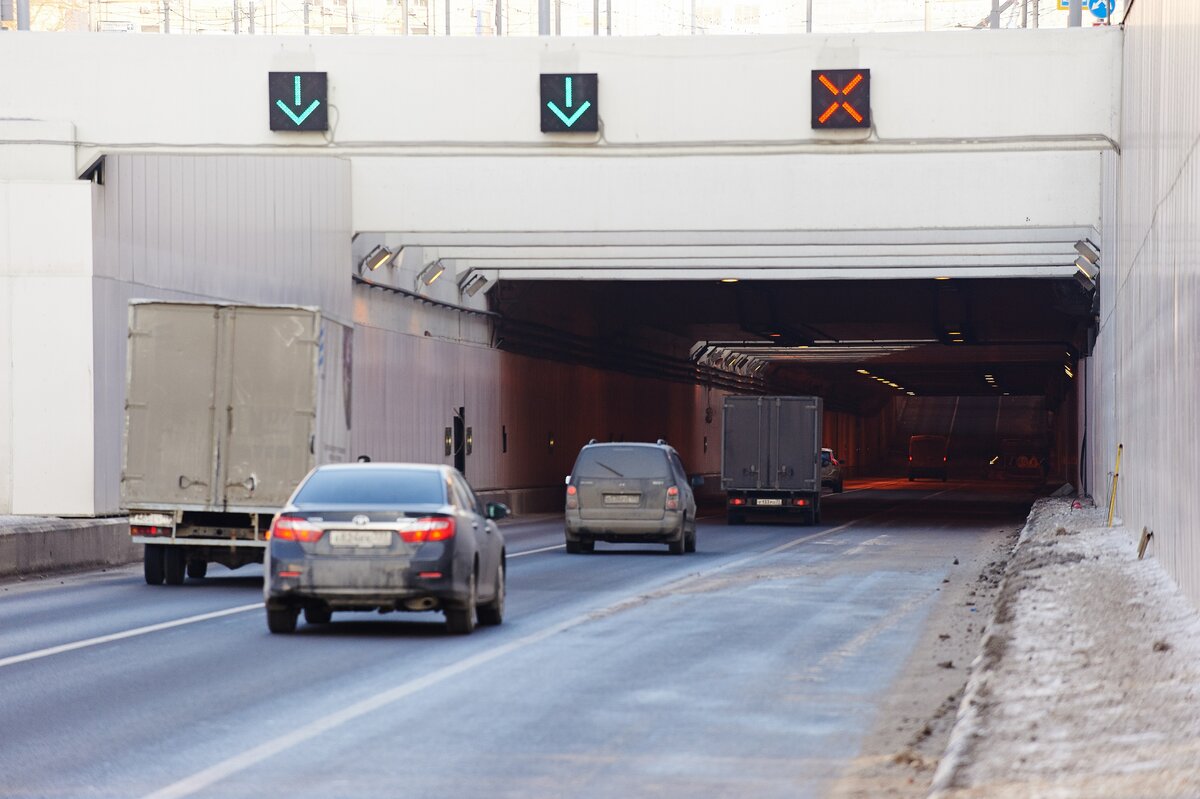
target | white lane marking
x=104, y=639
x=535, y=551
x=227, y=768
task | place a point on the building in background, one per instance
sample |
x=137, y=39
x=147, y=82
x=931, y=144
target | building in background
x=519, y=17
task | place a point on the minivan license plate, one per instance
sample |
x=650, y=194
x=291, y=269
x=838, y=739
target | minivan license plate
x=622, y=499
x=768, y=502
x=360, y=538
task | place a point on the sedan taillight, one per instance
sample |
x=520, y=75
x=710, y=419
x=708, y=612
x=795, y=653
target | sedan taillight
x=572, y=498
x=430, y=528
x=673, y=498
x=294, y=528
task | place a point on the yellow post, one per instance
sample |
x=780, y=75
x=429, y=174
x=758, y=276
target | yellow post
x=1112, y=496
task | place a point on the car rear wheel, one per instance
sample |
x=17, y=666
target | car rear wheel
x=461, y=621
x=691, y=539
x=574, y=547
x=152, y=564
x=493, y=612
x=282, y=619
x=197, y=569
x=317, y=614
x=679, y=546
x=174, y=565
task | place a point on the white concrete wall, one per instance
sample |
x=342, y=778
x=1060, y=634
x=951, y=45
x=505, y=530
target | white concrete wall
x=1146, y=366
x=46, y=425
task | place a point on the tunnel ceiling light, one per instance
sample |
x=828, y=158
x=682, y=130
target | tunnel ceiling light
x=958, y=341
x=1088, y=250
x=729, y=280
x=432, y=272
x=911, y=393
x=942, y=277
x=377, y=257
x=1067, y=369
x=953, y=332
x=862, y=371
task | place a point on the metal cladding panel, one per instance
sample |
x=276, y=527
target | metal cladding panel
x=1147, y=354
x=169, y=412
x=744, y=453
x=796, y=443
x=240, y=228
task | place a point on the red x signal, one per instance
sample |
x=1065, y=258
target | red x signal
x=831, y=98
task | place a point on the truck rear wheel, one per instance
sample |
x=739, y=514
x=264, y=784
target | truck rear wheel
x=174, y=565
x=197, y=569
x=152, y=564
x=282, y=619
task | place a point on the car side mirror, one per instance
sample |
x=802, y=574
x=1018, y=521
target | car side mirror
x=696, y=480
x=497, y=510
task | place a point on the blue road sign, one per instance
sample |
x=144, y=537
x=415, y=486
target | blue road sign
x=1100, y=8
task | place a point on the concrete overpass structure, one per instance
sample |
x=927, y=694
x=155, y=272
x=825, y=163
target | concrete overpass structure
x=935, y=246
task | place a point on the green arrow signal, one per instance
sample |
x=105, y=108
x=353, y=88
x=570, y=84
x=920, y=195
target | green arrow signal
x=569, y=120
x=304, y=114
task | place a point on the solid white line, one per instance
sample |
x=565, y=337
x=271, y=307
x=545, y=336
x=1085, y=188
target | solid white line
x=535, y=551
x=227, y=768
x=104, y=639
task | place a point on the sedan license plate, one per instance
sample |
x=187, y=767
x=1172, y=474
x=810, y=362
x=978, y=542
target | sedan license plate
x=360, y=538
x=622, y=499
x=776, y=502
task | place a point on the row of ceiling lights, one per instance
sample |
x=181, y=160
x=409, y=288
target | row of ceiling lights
x=886, y=382
x=991, y=381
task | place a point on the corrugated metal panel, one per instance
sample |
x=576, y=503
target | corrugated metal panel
x=259, y=229
x=1151, y=319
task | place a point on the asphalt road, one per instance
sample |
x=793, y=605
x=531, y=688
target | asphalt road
x=752, y=668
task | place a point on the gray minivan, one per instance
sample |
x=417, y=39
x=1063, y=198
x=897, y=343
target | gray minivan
x=630, y=493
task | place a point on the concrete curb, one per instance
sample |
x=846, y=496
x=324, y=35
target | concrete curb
x=36, y=545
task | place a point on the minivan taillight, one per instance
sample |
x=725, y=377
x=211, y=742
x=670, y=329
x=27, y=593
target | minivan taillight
x=430, y=528
x=294, y=528
x=572, y=498
x=673, y=498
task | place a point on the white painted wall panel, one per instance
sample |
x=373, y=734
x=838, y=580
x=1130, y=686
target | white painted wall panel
x=653, y=90
x=807, y=191
x=7, y=455
x=1151, y=322
x=52, y=436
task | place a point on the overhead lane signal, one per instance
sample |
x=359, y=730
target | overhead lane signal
x=841, y=98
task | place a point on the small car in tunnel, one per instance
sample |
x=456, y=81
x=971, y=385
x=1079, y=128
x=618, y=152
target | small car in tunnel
x=630, y=493
x=831, y=471
x=386, y=537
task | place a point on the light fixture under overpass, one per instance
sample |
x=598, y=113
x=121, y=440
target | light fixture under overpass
x=473, y=284
x=1086, y=272
x=1088, y=250
x=431, y=272
x=377, y=257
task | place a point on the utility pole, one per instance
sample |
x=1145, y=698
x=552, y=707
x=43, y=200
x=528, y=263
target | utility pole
x=1035, y=13
x=928, y=16
x=543, y=17
x=499, y=13
x=595, y=17
x=1024, y=13
x=558, y=17
x=447, y=17
x=608, y=13
x=237, y=18
x=305, y=17
x=994, y=19
x=1075, y=14
x=22, y=15
x=250, y=27
x=166, y=16
x=808, y=18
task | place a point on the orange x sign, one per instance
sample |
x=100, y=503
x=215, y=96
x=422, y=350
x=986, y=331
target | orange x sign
x=831, y=101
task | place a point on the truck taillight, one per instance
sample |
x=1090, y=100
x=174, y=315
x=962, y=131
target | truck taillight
x=430, y=528
x=294, y=528
x=673, y=498
x=572, y=498
x=800, y=503
x=140, y=530
x=737, y=501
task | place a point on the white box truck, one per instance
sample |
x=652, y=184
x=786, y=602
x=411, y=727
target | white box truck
x=227, y=407
x=771, y=457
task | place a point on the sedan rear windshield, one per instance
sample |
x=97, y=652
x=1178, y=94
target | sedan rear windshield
x=622, y=462
x=373, y=487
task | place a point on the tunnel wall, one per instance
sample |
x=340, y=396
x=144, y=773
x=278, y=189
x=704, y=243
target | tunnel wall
x=1142, y=380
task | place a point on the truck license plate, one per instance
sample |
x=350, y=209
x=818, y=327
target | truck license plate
x=778, y=502
x=360, y=538
x=622, y=499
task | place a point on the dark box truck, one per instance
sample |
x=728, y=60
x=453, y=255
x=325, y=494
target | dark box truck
x=771, y=457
